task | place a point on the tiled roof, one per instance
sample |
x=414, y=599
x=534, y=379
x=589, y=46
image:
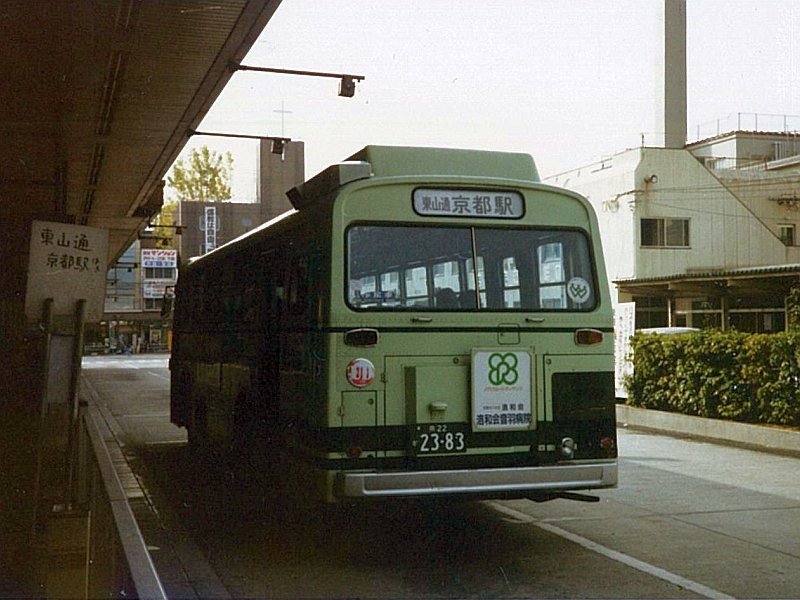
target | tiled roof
x=768, y=270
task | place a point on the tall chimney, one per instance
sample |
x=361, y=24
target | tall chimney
x=278, y=173
x=671, y=76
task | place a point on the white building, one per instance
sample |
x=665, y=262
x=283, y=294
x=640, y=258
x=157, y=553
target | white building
x=704, y=235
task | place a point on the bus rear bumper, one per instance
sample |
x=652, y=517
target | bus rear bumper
x=478, y=482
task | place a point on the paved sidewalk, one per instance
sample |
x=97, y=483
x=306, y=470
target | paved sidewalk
x=759, y=437
x=137, y=416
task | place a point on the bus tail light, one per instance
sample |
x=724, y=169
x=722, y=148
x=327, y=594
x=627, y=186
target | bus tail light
x=353, y=452
x=361, y=337
x=588, y=337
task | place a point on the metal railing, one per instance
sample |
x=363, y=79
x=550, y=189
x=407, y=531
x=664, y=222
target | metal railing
x=90, y=544
x=94, y=548
x=746, y=122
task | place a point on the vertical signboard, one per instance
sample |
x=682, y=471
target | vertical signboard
x=159, y=266
x=66, y=263
x=210, y=228
x=624, y=328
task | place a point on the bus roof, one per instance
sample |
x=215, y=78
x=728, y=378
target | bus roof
x=399, y=161
x=393, y=161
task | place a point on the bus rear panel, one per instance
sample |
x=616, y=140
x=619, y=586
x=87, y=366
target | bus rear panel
x=457, y=338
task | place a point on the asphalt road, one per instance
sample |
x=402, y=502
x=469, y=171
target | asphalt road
x=689, y=519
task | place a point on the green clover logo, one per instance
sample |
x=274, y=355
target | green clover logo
x=503, y=368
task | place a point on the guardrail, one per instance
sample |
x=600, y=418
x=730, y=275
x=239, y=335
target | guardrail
x=94, y=548
x=89, y=544
x=763, y=122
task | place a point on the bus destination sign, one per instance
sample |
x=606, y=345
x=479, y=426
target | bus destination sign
x=484, y=204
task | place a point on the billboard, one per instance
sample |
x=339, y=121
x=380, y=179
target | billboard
x=155, y=258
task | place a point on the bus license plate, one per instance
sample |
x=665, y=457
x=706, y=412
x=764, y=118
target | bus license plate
x=439, y=438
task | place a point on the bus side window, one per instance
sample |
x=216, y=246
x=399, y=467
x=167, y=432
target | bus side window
x=551, y=276
x=446, y=298
x=416, y=280
x=297, y=301
x=493, y=277
x=215, y=308
x=230, y=302
x=273, y=270
x=511, y=293
x=471, y=275
x=390, y=287
x=467, y=299
x=251, y=300
x=354, y=293
x=198, y=296
x=278, y=297
x=527, y=279
x=364, y=291
x=446, y=275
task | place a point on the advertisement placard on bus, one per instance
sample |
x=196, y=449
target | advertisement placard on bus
x=501, y=389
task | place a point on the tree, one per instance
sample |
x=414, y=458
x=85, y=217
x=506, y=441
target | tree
x=793, y=309
x=206, y=177
x=164, y=223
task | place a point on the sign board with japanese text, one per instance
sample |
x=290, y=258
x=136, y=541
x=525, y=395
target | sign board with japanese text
x=486, y=204
x=624, y=328
x=156, y=258
x=66, y=263
x=501, y=390
x=210, y=227
x=155, y=288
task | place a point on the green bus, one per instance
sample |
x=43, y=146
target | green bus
x=426, y=322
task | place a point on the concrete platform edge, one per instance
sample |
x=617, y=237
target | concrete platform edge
x=194, y=570
x=759, y=437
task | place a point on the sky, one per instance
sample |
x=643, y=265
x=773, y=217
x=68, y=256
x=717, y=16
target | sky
x=567, y=81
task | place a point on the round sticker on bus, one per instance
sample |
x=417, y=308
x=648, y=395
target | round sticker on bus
x=360, y=372
x=578, y=290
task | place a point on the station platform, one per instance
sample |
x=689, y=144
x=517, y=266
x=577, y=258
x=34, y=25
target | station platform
x=133, y=414
x=19, y=440
x=137, y=417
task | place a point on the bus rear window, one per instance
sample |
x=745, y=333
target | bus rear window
x=395, y=267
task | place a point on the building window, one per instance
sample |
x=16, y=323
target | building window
x=787, y=234
x=665, y=233
x=152, y=303
x=703, y=313
x=159, y=273
x=651, y=312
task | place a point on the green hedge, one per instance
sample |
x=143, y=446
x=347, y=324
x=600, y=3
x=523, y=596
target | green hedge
x=753, y=378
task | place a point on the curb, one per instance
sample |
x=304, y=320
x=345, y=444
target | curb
x=182, y=568
x=757, y=437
